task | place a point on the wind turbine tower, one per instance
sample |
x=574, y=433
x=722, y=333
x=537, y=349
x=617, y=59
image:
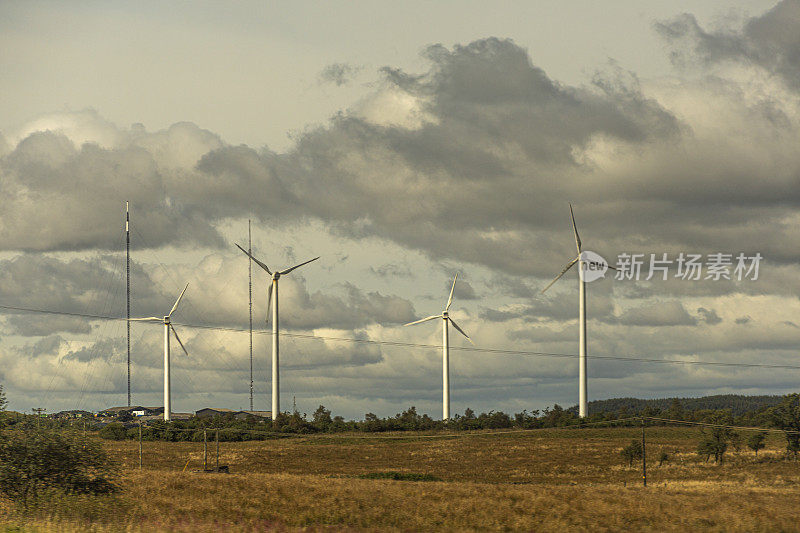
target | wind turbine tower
x=583, y=405
x=272, y=300
x=446, y=321
x=167, y=327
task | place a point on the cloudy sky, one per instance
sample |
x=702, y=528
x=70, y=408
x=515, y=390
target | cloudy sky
x=402, y=145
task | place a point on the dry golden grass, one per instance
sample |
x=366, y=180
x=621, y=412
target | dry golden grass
x=543, y=480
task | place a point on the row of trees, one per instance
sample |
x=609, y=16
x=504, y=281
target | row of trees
x=720, y=434
x=784, y=416
x=323, y=421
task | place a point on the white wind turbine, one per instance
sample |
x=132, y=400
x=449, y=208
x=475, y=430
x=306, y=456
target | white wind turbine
x=167, y=327
x=445, y=349
x=583, y=404
x=272, y=300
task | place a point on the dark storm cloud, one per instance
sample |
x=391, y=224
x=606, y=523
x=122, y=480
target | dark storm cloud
x=61, y=197
x=481, y=173
x=78, y=285
x=671, y=313
x=45, y=346
x=562, y=307
x=512, y=286
x=103, y=349
x=34, y=325
x=709, y=316
x=96, y=286
x=463, y=290
x=392, y=270
x=771, y=40
x=339, y=73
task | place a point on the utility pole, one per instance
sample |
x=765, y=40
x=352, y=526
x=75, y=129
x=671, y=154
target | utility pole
x=38, y=411
x=644, y=457
x=250, y=299
x=128, y=291
x=217, y=438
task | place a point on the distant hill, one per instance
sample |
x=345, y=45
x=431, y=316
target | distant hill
x=737, y=403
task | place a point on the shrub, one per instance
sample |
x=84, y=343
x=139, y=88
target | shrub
x=400, y=476
x=786, y=416
x=715, y=439
x=113, y=431
x=663, y=458
x=756, y=441
x=31, y=462
x=632, y=451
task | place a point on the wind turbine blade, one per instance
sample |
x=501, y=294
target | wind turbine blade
x=459, y=329
x=174, y=307
x=297, y=266
x=269, y=299
x=423, y=320
x=178, y=339
x=562, y=273
x=147, y=319
x=450, y=300
x=259, y=263
x=575, y=229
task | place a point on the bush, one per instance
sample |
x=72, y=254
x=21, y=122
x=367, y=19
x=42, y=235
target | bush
x=32, y=462
x=114, y=431
x=400, y=476
x=663, y=458
x=756, y=441
x=632, y=451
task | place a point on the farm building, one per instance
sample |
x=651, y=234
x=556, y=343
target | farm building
x=210, y=412
x=261, y=416
x=134, y=410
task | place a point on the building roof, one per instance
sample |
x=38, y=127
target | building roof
x=265, y=414
x=120, y=409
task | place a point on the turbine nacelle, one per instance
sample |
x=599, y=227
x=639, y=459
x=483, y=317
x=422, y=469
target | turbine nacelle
x=445, y=314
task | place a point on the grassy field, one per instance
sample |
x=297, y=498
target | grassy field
x=543, y=480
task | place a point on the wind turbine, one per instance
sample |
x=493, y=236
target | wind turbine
x=167, y=327
x=272, y=300
x=583, y=405
x=445, y=349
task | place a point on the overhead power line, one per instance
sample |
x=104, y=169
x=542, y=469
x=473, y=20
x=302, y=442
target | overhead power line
x=476, y=349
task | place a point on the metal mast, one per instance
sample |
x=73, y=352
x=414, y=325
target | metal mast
x=250, y=299
x=128, y=291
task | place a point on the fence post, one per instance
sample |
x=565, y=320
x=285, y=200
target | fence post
x=140, y=444
x=217, y=436
x=205, y=450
